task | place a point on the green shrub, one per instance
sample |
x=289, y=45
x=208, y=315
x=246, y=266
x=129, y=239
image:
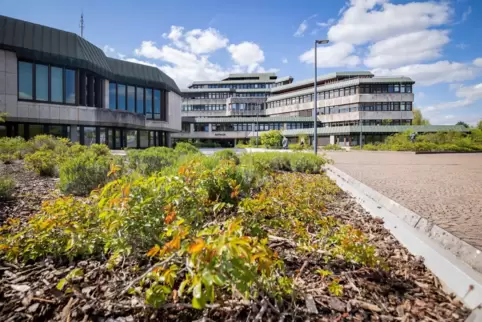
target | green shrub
x=253, y=142
x=151, y=160
x=370, y=147
x=7, y=158
x=296, y=147
x=284, y=161
x=43, y=162
x=99, y=149
x=84, y=173
x=333, y=147
x=7, y=187
x=271, y=139
x=186, y=148
x=77, y=149
x=17, y=147
x=227, y=155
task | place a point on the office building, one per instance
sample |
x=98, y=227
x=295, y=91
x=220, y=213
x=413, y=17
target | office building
x=56, y=82
x=242, y=105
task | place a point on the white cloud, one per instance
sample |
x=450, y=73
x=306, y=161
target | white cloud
x=337, y=55
x=374, y=20
x=407, y=48
x=467, y=94
x=477, y=62
x=327, y=23
x=284, y=60
x=109, y=51
x=434, y=73
x=197, y=41
x=462, y=46
x=205, y=41
x=303, y=26
x=247, y=54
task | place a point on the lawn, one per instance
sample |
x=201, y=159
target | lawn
x=173, y=235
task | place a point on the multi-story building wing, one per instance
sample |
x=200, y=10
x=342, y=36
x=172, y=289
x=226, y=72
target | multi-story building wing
x=242, y=105
x=55, y=82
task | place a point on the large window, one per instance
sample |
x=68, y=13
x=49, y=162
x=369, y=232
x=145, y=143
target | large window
x=140, y=100
x=89, y=135
x=41, y=82
x=70, y=86
x=149, y=103
x=112, y=96
x=25, y=80
x=131, y=99
x=56, y=85
x=121, y=97
x=157, y=104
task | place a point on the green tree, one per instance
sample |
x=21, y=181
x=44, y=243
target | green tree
x=418, y=118
x=463, y=124
x=271, y=139
x=3, y=116
x=479, y=125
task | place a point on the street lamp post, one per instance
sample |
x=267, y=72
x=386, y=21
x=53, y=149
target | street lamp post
x=315, y=97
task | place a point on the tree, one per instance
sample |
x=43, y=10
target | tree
x=479, y=125
x=271, y=138
x=463, y=124
x=418, y=118
x=3, y=116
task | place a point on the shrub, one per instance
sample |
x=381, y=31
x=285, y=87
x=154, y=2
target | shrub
x=7, y=158
x=186, y=148
x=271, y=139
x=16, y=147
x=99, y=149
x=227, y=155
x=81, y=174
x=45, y=142
x=333, y=147
x=283, y=161
x=43, y=162
x=253, y=142
x=7, y=187
x=296, y=147
x=151, y=160
x=77, y=149
x=370, y=147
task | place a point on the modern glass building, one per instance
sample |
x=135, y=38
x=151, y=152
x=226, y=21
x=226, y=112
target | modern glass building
x=55, y=82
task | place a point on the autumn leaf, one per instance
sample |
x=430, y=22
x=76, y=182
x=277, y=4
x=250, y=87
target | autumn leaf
x=170, y=218
x=153, y=251
x=197, y=246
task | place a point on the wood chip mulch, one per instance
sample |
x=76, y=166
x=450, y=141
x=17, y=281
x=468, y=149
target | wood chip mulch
x=406, y=292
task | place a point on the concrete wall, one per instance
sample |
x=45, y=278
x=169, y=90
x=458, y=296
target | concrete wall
x=203, y=113
x=24, y=111
x=215, y=135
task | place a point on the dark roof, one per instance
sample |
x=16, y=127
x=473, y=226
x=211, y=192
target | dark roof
x=49, y=45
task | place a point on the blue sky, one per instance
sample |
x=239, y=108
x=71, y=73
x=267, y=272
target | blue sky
x=437, y=43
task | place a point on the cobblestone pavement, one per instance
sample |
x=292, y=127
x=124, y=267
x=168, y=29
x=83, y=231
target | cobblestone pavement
x=446, y=188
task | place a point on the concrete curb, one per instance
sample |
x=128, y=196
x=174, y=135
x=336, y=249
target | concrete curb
x=421, y=238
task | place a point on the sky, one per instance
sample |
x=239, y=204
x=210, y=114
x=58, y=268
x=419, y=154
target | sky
x=436, y=43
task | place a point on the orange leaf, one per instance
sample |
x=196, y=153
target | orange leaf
x=197, y=246
x=170, y=218
x=153, y=251
x=126, y=190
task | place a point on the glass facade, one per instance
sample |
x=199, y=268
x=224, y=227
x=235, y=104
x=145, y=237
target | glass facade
x=56, y=85
x=140, y=100
x=157, y=104
x=113, y=96
x=121, y=97
x=70, y=86
x=41, y=82
x=149, y=103
x=89, y=135
x=25, y=80
x=131, y=99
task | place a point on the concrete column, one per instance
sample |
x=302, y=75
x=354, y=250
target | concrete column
x=10, y=93
x=90, y=91
x=191, y=128
x=169, y=139
x=332, y=139
x=209, y=127
x=106, y=93
x=74, y=134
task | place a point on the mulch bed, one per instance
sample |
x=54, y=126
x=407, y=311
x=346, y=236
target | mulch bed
x=406, y=292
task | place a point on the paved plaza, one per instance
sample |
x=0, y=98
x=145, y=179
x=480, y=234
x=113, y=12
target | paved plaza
x=446, y=188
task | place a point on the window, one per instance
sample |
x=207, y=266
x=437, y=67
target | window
x=144, y=139
x=149, y=103
x=70, y=86
x=396, y=88
x=121, y=97
x=131, y=138
x=131, y=99
x=112, y=96
x=157, y=104
x=41, y=82
x=35, y=129
x=89, y=135
x=140, y=100
x=25, y=80
x=56, y=85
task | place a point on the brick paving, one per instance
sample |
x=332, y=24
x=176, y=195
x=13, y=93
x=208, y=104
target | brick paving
x=446, y=188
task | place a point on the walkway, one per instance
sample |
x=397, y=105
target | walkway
x=446, y=188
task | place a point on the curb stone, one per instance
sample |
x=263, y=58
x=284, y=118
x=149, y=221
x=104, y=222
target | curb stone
x=444, y=253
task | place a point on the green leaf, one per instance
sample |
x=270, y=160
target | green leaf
x=182, y=287
x=199, y=303
x=61, y=284
x=196, y=292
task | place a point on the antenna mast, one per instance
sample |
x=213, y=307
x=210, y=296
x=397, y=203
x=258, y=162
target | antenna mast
x=82, y=25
